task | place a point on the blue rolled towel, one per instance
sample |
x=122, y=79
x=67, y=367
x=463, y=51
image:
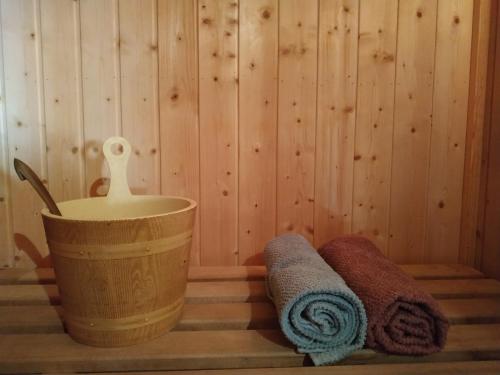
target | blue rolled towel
x=316, y=310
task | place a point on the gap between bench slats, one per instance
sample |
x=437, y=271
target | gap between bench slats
x=227, y=316
x=188, y=350
x=249, y=291
x=446, y=368
x=418, y=271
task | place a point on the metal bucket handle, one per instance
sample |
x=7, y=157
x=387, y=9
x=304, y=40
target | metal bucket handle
x=117, y=162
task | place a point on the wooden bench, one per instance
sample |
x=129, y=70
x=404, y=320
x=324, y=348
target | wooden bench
x=228, y=323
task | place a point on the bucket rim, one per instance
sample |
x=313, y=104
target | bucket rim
x=192, y=204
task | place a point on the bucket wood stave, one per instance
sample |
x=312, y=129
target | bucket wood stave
x=121, y=264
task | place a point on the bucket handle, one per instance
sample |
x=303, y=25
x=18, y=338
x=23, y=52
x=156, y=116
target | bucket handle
x=117, y=162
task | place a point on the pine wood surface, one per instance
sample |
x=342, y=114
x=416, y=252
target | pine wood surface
x=228, y=323
x=324, y=118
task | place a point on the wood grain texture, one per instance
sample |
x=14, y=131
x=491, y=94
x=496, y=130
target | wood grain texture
x=445, y=368
x=6, y=233
x=374, y=122
x=417, y=271
x=250, y=291
x=227, y=316
x=449, y=120
x=205, y=92
x=477, y=118
x=218, y=74
x=412, y=129
x=490, y=256
x=336, y=118
x=258, y=86
x=178, y=86
x=63, y=98
x=298, y=42
x=100, y=87
x=25, y=122
x=138, y=45
x=214, y=349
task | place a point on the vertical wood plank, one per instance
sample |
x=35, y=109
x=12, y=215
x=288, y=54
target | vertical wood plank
x=374, y=123
x=139, y=92
x=218, y=80
x=25, y=123
x=479, y=93
x=451, y=85
x=258, y=63
x=100, y=85
x=412, y=129
x=6, y=245
x=298, y=31
x=337, y=74
x=490, y=260
x=62, y=84
x=178, y=85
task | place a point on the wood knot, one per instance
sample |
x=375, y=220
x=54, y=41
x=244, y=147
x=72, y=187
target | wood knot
x=174, y=96
x=225, y=193
x=441, y=204
x=74, y=149
x=419, y=13
x=206, y=21
x=266, y=14
x=413, y=130
x=299, y=24
x=299, y=120
x=297, y=153
x=215, y=78
x=357, y=157
x=348, y=109
x=456, y=20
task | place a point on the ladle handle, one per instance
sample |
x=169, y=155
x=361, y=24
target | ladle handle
x=118, y=187
x=26, y=173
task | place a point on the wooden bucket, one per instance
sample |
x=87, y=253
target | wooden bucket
x=121, y=261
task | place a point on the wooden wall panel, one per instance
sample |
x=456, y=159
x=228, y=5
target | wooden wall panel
x=101, y=87
x=449, y=120
x=25, y=122
x=258, y=84
x=63, y=98
x=218, y=74
x=490, y=257
x=6, y=256
x=374, y=122
x=477, y=131
x=178, y=85
x=139, y=92
x=275, y=115
x=337, y=77
x=412, y=128
x=298, y=39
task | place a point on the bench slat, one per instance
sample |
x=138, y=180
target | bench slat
x=418, y=271
x=249, y=291
x=228, y=316
x=446, y=368
x=190, y=350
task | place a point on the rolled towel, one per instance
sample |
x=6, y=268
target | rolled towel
x=316, y=310
x=402, y=318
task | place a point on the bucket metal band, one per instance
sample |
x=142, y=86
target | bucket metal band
x=120, y=324
x=120, y=251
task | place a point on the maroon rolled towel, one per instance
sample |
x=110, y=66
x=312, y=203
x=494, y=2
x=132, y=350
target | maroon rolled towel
x=402, y=318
